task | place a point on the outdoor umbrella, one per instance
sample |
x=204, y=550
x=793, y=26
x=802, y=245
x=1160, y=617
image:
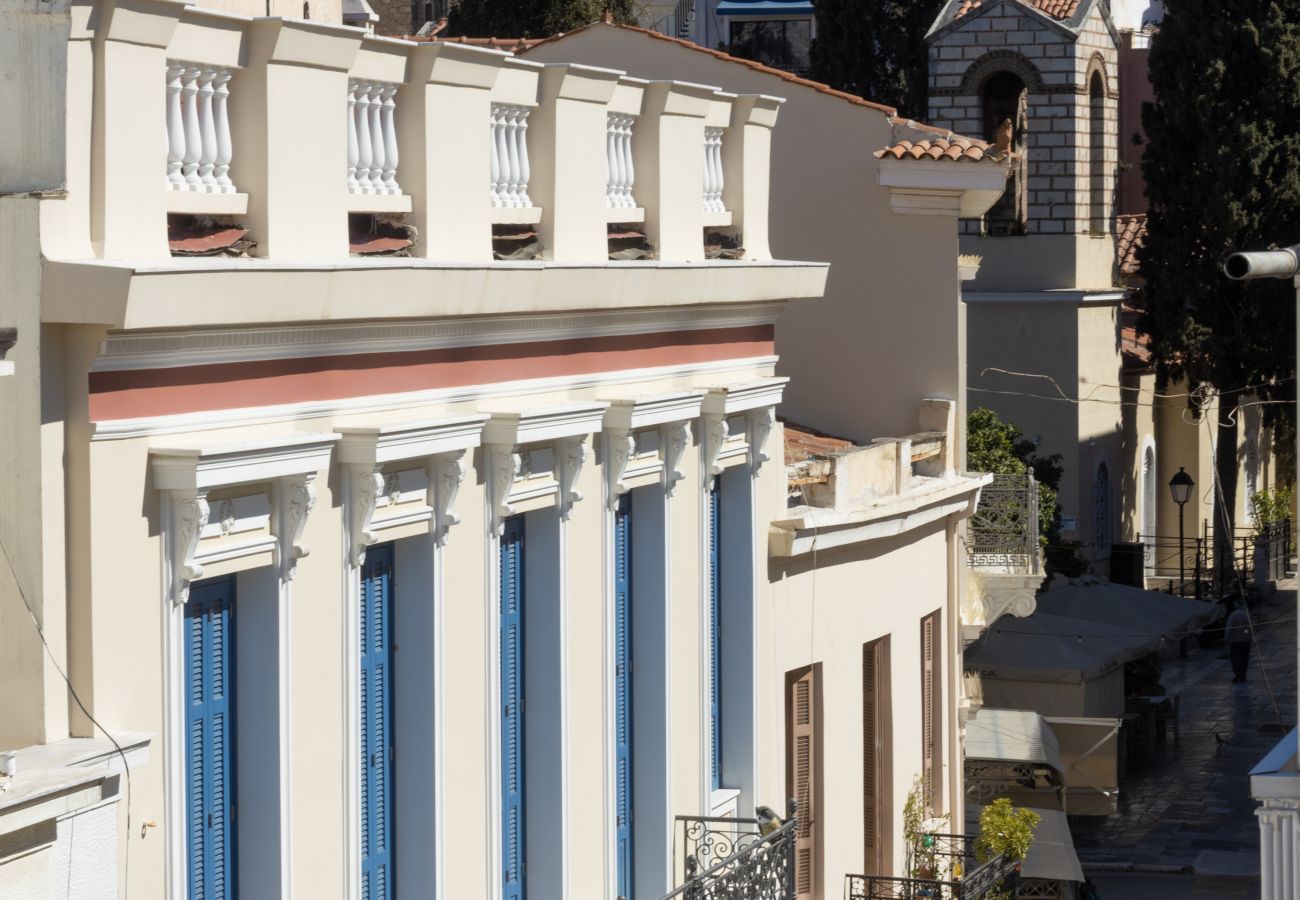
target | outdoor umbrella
x=1127, y=608
x=1051, y=648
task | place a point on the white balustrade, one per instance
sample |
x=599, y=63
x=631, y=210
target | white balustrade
x=622, y=176
x=372, y=138
x=509, y=186
x=713, y=170
x=198, y=128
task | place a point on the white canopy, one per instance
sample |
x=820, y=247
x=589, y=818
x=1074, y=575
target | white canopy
x=1051, y=857
x=1012, y=735
x=1129, y=608
x=1058, y=649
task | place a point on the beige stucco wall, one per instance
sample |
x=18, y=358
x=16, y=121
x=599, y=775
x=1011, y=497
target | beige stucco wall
x=823, y=611
x=889, y=314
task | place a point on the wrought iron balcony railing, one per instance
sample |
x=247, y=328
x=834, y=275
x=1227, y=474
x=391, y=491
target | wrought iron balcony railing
x=1004, y=529
x=726, y=858
x=956, y=876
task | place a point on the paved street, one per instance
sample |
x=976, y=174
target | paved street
x=1189, y=805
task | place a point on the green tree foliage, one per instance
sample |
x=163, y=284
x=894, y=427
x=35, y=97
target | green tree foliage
x=531, y=18
x=1222, y=168
x=875, y=49
x=999, y=447
x=1005, y=830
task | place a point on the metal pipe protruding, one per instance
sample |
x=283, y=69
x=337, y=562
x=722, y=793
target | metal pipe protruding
x=1283, y=263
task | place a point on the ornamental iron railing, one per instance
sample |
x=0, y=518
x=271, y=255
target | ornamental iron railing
x=1004, y=529
x=727, y=858
x=996, y=878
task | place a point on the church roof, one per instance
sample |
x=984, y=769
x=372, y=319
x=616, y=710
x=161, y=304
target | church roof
x=1066, y=14
x=1057, y=9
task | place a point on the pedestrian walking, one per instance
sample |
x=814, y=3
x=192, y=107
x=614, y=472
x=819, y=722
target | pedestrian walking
x=1238, y=635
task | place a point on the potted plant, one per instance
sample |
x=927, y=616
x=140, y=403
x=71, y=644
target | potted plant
x=921, y=837
x=1005, y=831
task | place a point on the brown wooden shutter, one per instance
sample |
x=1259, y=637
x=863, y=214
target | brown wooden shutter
x=802, y=754
x=876, y=744
x=931, y=714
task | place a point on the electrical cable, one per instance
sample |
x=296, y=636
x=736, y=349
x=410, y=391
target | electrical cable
x=126, y=766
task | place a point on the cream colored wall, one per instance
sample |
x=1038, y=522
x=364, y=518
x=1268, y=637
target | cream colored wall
x=1101, y=437
x=1043, y=262
x=824, y=614
x=126, y=624
x=890, y=315
x=1138, y=415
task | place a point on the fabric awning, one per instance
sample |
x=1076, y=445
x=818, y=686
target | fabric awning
x=1014, y=736
x=765, y=8
x=1051, y=857
x=1054, y=649
x=1129, y=608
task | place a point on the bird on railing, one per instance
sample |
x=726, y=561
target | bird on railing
x=768, y=820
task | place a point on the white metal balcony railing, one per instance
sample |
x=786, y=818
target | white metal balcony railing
x=199, y=148
x=372, y=138
x=510, y=156
x=713, y=183
x=622, y=174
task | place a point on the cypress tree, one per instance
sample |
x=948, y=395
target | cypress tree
x=1222, y=169
x=531, y=18
x=875, y=49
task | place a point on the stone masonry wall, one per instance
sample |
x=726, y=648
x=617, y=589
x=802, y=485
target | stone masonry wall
x=1004, y=35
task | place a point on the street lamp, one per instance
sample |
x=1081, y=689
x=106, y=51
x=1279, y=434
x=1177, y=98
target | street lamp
x=1180, y=486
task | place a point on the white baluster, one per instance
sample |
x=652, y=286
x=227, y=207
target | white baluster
x=221, y=118
x=512, y=156
x=499, y=162
x=175, y=128
x=390, y=140
x=193, y=137
x=354, y=187
x=629, y=172
x=378, y=157
x=719, y=181
x=364, y=146
x=207, y=131
x=613, y=179
x=524, y=199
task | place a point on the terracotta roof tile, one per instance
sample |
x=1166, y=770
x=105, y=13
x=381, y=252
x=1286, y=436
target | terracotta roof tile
x=1135, y=347
x=1057, y=9
x=758, y=67
x=803, y=443
x=1129, y=233
x=193, y=241
x=953, y=147
x=510, y=45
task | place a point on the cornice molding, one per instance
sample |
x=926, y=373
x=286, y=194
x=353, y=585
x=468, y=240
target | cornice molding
x=377, y=445
x=729, y=399
x=543, y=423
x=671, y=414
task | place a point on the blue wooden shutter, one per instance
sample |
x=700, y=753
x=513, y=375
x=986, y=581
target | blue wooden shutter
x=512, y=699
x=210, y=736
x=623, y=691
x=715, y=635
x=377, y=724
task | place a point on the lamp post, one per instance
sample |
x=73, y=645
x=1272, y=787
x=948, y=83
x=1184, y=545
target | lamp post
x=1180, y=486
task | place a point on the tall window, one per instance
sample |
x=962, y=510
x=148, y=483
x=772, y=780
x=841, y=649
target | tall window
x=715, y=635
x=623, y=693
x=512, y=705
x=877, y=777
x=1006, y=104
x=931, y=714
x=1096, y=155
x=377, y=798
x=1150, y=486
x=1101, y=508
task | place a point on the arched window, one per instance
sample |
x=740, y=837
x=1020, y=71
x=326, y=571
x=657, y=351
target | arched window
x=1096, y=155
x=1006, y=102
x=1101, y=504
x=1150, y=485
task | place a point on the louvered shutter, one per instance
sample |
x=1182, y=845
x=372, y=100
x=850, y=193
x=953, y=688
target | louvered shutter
x=803, y=755
x=210, y=751
x=376, y=724
x=715, y=634
x=512, y=698
x=623, y=691
x=929, y=724
x=875, y=759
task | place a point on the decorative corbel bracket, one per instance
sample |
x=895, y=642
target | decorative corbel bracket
x=446, y=472
x=366, y=486
x=570, y=454
x=297, y=498
x=673, y=438
x=758, y=425
x=503, y=466
x=620, y=446
x=715, y=434
x=189, y=513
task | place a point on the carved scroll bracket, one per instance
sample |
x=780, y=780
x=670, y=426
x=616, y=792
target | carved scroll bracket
x=189, y=515
x=570, y=456
x=758, y=425
x=503, y=466
x=366, y=486
x=620, y=446
x=446, y=472
x=295, y=499
x=673, y=439
x=715, y=434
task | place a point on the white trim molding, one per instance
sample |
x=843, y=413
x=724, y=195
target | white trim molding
x=942, y=188
x=670, y=414
x=428, y=455
x=184, y=476
x=757, y=400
